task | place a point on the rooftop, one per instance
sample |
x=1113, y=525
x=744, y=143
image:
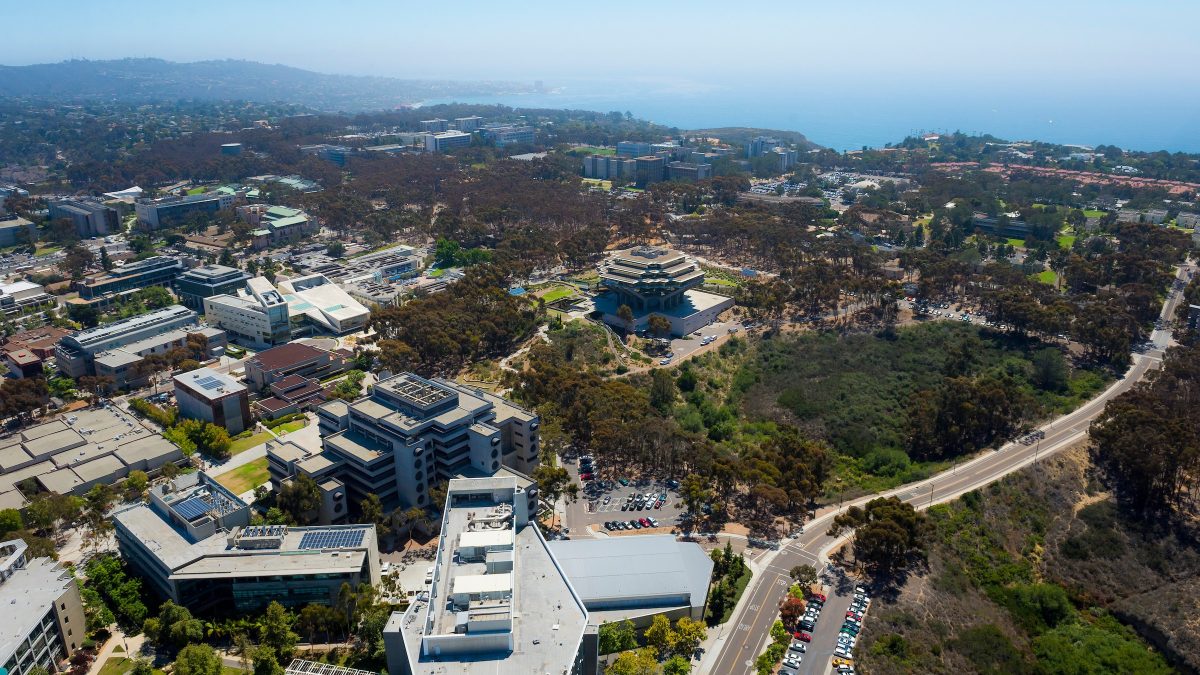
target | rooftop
x=209, y=383
x=27, y=596
x=287, y=355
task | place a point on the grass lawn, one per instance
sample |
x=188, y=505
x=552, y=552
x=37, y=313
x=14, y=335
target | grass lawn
x=196, y=191
x=1016, y=242
x=294, y=425
x=121, y=665
x=718, y=281
x=1093, y=213
x=592, y=150
x=605, y=184
x=244, y=444
x=558, y=293
x=246, y=477
x=1066, y=240
x=433, y=274
x=1047, y=277
x=45, y=250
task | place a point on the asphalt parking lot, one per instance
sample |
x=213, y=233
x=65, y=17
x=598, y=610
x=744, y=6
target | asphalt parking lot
x=599, y=504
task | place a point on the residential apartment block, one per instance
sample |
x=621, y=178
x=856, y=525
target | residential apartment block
x=41, y=613
x=193, y=544
x=410, y=433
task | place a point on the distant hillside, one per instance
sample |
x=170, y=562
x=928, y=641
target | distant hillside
x=737, y=135
x=136, y=80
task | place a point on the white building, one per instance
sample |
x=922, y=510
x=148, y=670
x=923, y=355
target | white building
x=41, y=614
x=205, y=394
x=443, y=141
x=321, y=302
x=257, y=317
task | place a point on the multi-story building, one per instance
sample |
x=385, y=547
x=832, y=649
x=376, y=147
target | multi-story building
x=1185, y=219
x=295, y=358
x=444, y=140
x=92, y=216
x=650, y=169
x=760, y=145
x=411, y=433
x=41, y=610
x=158, y=270
x=467, y=124
x=124, y=364
x=211, y=396
x=254, y=316
x=206, y=281
x=193, y=544
x=276, y=225
x=22, y=297
x=651, y=280
x=609, y=168
x=322, y=304
x=632, y=149
x=75, y=353
x=498, y=601
x=16, y=230
x=290, y=395
x=436, y=125
x=688, y=172
x=168, y=211
x=330, y=153
x=511, y=135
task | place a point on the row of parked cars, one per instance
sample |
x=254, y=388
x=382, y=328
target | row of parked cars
x=637, y=524
x=645, y=501
x=587, y=468
x=843, y=654
x=795, y=653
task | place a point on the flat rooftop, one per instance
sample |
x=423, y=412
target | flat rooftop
x=535, y=594
x=26, y=597
x=666, y=570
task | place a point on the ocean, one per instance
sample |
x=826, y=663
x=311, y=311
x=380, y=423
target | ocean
x=855, y=117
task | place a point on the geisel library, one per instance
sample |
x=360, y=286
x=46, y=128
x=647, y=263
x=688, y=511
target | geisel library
x=652, y=280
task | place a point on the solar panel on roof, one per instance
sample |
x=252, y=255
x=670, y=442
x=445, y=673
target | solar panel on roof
x=192, y=508
x=332, y=539
x=208, y=382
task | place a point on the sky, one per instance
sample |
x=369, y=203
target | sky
x=696, y=43
x=845, y=73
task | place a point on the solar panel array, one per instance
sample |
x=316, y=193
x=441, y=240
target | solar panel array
x=208, y=382
x=192, y=508
x=332, y=539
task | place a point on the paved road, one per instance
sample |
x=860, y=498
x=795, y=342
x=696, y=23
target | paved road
x=747, y=631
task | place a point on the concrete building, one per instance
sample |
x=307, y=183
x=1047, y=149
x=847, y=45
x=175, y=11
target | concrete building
x=649, y=169
x=498, y=602
x=761, y=145
x=636, y=578
x=23, y=297
x=653, y=280
x=254, y=316
x=205, y=394
x=198, y=283
x=295, y=358
x=169, y=211
x=158, y=270
x=193, y=544
x=435, y=125
x=292, y=394
x=510, y=135
x=16, y=230
x=330, y=153
x=609, y=168
x=1188, y=220
x=445, y=140
x=75, y=353
x=231, y=149
x=277, y=225
x=409, y=434
x=688, y=172
x=41, y=613
x=467, y=124
x=22, y=363
x=632, y=149
x=321, y=303
x=123, y=364
x=71, y=454
x=92, y=216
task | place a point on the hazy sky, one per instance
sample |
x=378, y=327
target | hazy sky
x=1047, y=42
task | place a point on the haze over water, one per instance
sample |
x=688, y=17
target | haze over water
x=873, y=116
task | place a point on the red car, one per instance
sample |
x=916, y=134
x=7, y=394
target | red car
x=585, y=476
x=802, y=636
x=644, y=521
x=819, y=596
x=854, y=615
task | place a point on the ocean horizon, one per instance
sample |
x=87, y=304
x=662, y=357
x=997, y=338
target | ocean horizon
x=869, y=117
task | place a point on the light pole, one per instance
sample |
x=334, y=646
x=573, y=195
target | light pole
x=931, y=494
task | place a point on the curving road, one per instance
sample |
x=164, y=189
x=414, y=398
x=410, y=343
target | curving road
x=744, y=636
